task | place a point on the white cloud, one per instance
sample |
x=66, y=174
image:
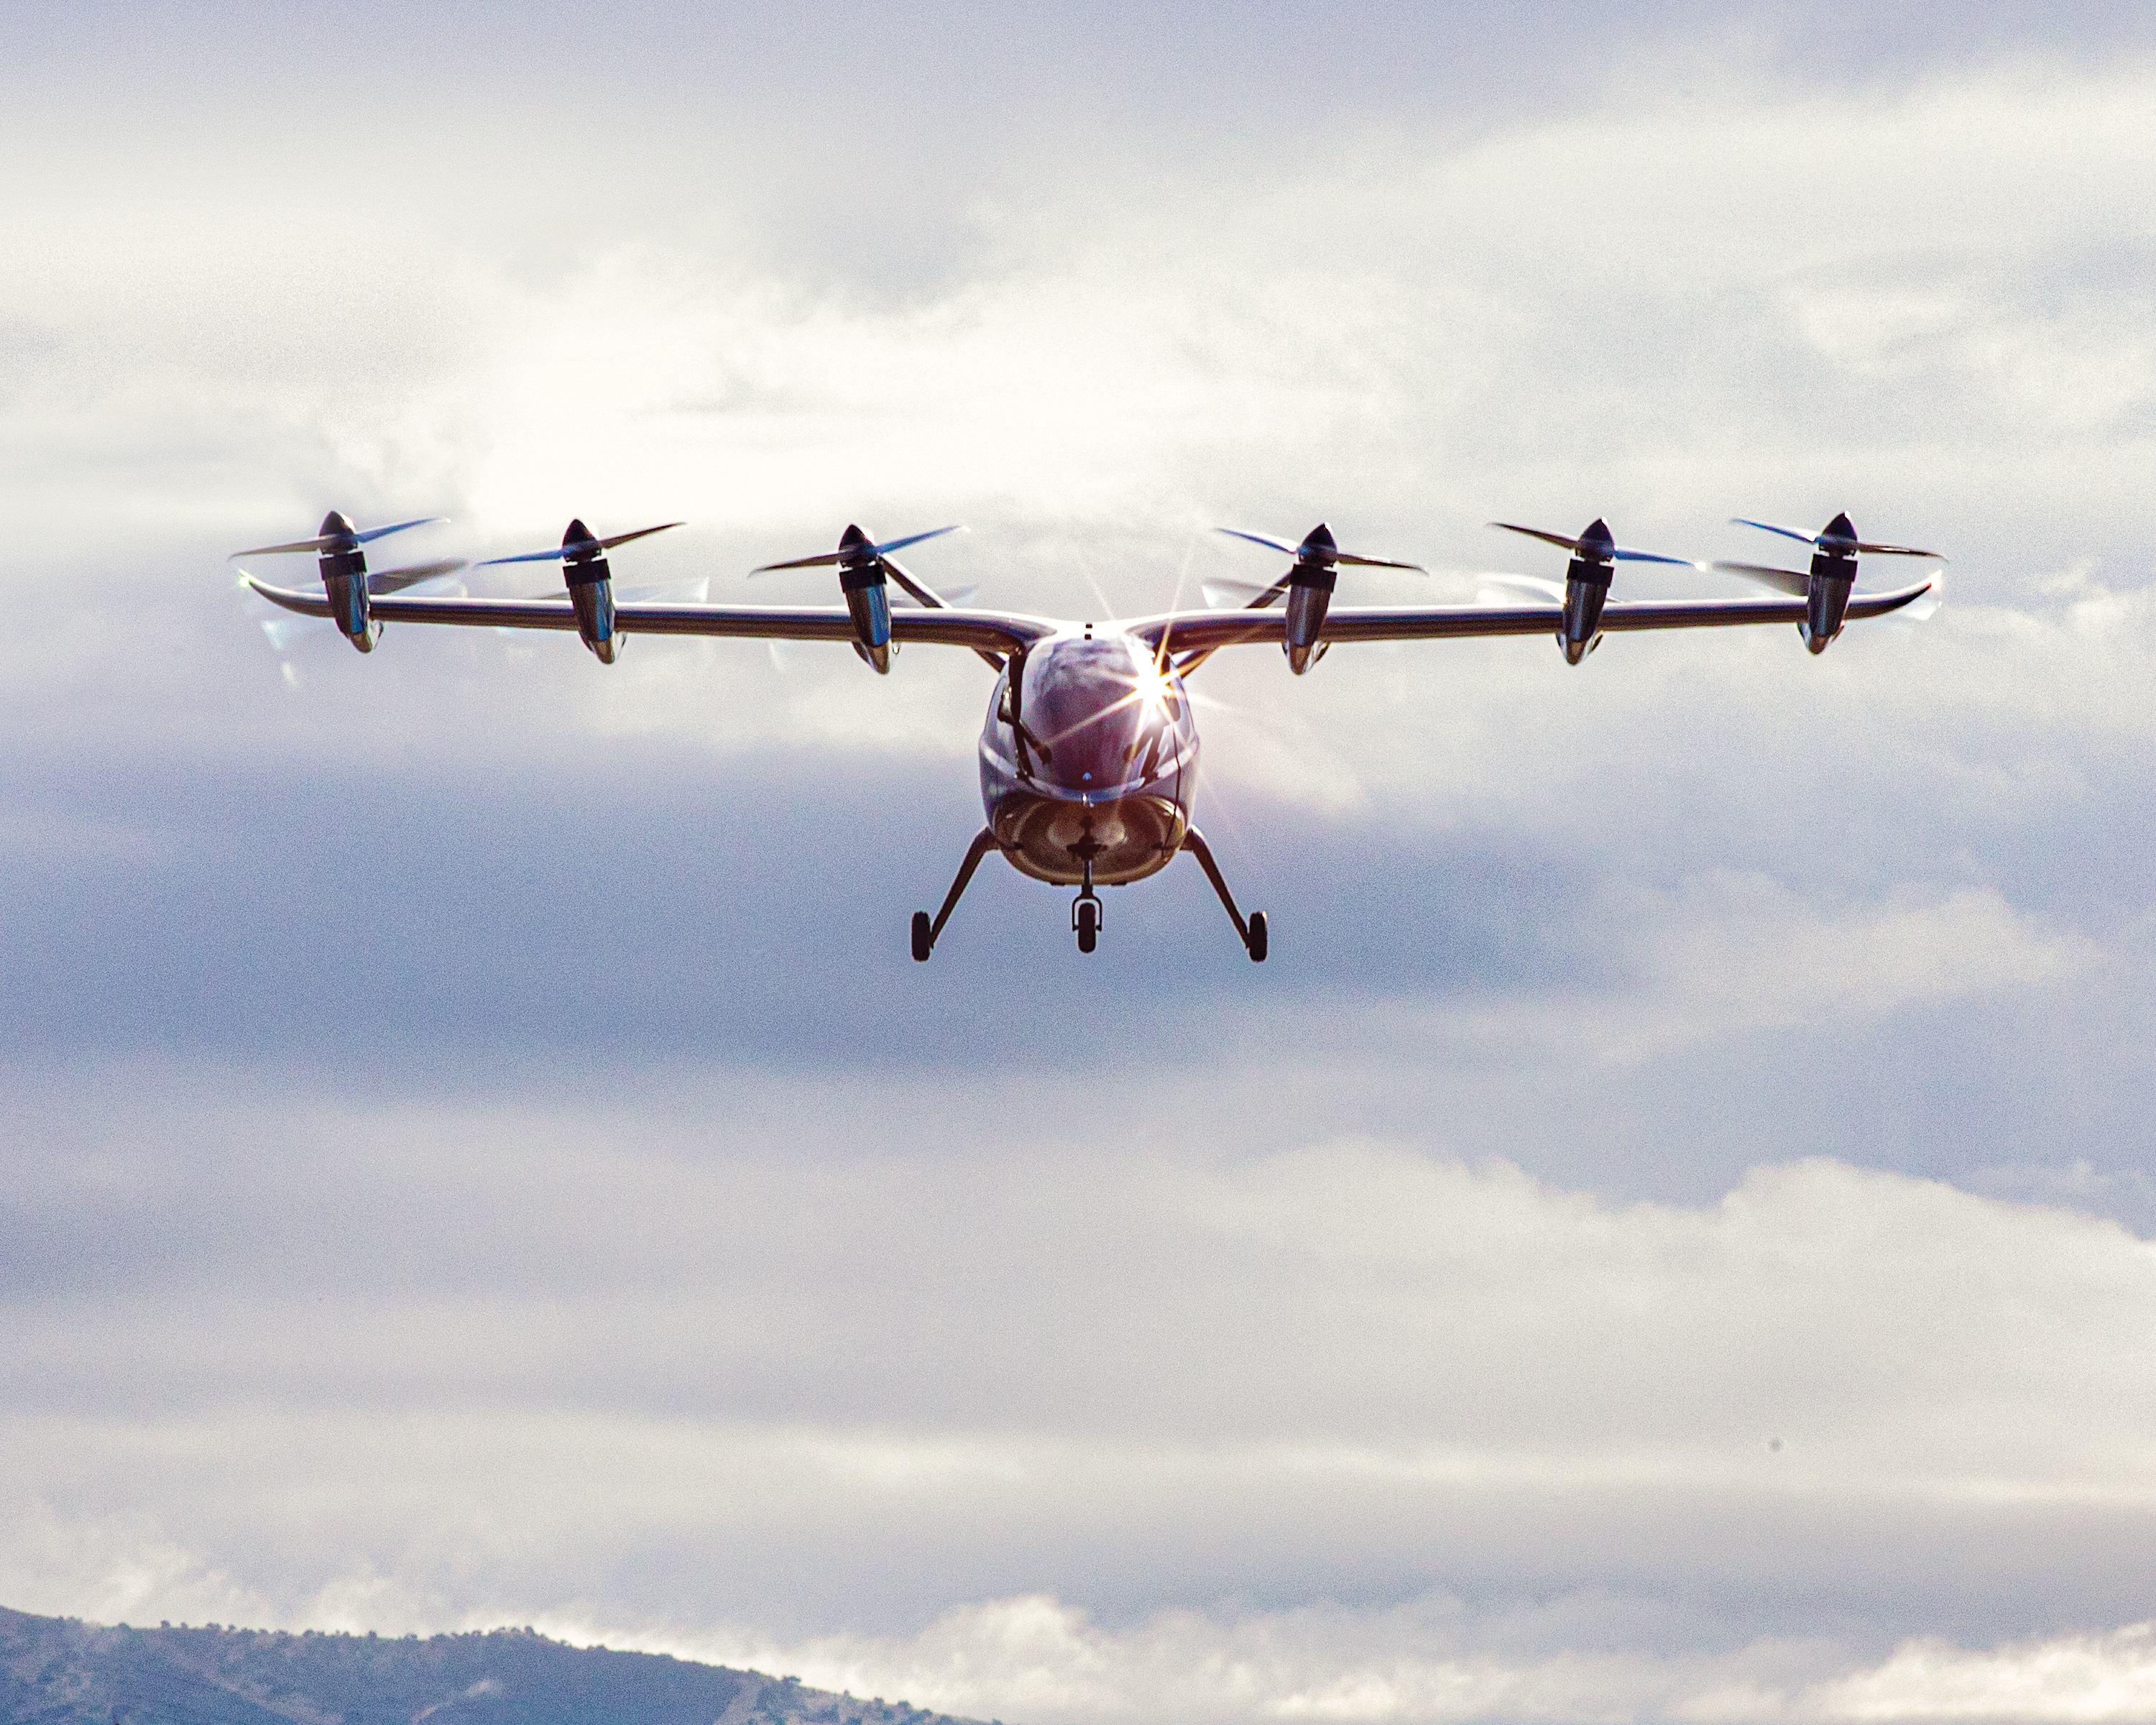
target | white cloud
x=1032, y=1657
x=745, y=1394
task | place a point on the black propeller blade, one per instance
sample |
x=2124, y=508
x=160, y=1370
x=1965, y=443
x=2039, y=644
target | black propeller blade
x=330, y=538
x=860, y=553
x=1838, y=538
x=1317, y=547
x=578, y=545
x=1587, y=547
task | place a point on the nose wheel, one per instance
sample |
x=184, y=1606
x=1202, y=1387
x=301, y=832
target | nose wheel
x=1086, y=919
x=1085, y=910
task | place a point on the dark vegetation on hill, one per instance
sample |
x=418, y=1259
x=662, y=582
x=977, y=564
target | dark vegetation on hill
x=57, y=1670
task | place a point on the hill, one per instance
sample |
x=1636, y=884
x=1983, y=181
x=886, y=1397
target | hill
x=58, y=1671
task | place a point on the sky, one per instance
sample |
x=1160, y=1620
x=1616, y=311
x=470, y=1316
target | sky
x=1665, y=1236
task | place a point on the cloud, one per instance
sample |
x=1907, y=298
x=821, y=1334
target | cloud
x=1034, y=1656
x=629, y=1369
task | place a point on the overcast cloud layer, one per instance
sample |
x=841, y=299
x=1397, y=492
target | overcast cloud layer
x=1665, y=1236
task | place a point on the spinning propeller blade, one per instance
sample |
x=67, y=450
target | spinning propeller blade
x=389, y=580
x=881, y=552
x=923, y=595
x=578, y=548
x=946, y=597
x=1490, y=589
x=1579, y=548
x=1239, y=595
x=1838, y=535
x=1788, y=581
x=1739, y=521
x=326, y=541
x=371, y=534
x=1318, y=551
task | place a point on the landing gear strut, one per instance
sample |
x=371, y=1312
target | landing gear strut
x=925, y=931
x=1252, y=933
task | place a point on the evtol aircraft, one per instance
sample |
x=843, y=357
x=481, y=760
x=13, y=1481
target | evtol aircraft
x=1089, y=752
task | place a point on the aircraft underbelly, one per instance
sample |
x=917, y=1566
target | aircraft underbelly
x=1050, y=838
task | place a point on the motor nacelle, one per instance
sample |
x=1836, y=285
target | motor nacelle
x=343, y=567
x=342, y=562
x=865, y=587
x=1833, y=578
x=1826, y=586
x=590, y=580
x=1587, y=579
x=864, y=571
x=1310, y=588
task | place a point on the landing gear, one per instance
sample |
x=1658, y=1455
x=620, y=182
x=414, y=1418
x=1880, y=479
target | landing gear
x=925, y=932
x=1086, y=918
x=1252, y=933
x=1085, y=908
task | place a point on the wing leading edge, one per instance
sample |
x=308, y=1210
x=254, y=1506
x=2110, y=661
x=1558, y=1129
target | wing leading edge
x=1205, y=630
x=996, y=631
x=1005, y=632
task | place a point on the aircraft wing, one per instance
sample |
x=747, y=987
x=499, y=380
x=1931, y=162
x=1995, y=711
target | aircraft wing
x=1203, y=631
x=990, y=631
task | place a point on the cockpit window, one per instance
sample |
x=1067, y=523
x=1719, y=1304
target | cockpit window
x=1102, y=708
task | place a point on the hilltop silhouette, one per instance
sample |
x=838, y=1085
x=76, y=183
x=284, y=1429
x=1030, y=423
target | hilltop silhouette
x=58, y=1671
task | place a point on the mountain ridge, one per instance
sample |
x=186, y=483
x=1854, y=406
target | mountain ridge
x=60, y=1670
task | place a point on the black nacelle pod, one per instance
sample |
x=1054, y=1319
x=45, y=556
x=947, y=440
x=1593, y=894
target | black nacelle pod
x=863, y=585
x=1310, y=588
x=590, y=580
x=1587, y=580
x=343, y=567
x=1833, y=576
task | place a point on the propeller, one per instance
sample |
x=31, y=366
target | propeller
x=1799, y=586
x=949, y=595
x=285, y=632
x=1588, y=546
x=341, y=563
x=334, y=542
x=1308, y=587
x=580, y=546
x=864, y=566
x=389, y=580
x=1490, y=589
x=1595, y=555
x=672, y=592
x=582, y=555
x=1318, y=548
x=1788, y=581
x=1826, y=586
x=860, y=553
x=1239, y=595
x=1838, y=538
x=1837, y=541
